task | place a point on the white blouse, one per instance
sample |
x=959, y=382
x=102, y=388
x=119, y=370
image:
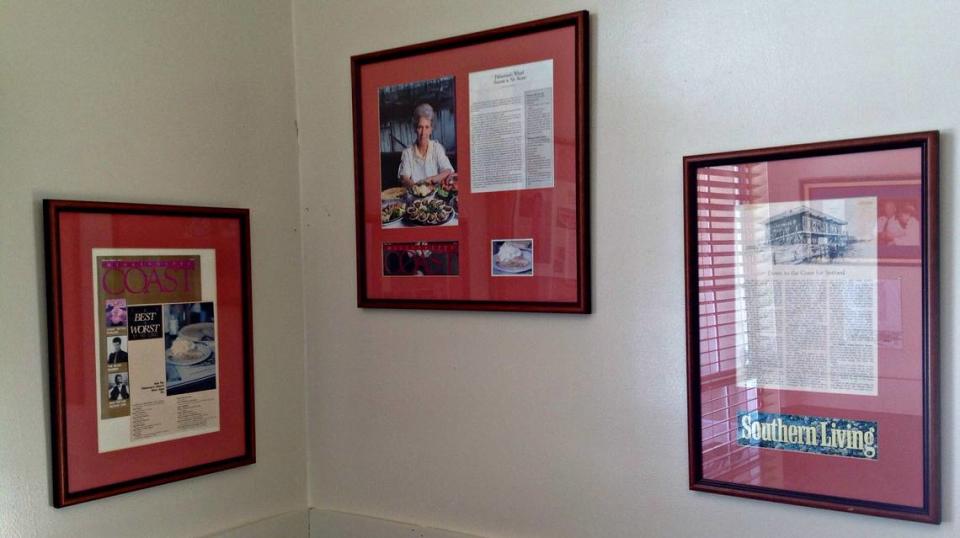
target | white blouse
x=420, y=168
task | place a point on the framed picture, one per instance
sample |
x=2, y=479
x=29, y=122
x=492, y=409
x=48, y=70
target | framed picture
x=470, y=150
x=812, y=324
x=151, y=345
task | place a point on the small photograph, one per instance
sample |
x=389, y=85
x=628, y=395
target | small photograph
x=512, y=257
x=421, y=258
x=118, y=388
x=418, y=131
x=116, y=350
x=190, y=341
x=898, y=223
x=116, y=312
x=418, y=154
x=820, y=232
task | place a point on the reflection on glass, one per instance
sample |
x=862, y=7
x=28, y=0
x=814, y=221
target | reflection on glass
x=809, y=378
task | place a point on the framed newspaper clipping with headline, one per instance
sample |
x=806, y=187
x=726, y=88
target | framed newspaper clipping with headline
x=470, y=158
x=150, y=342
x=811, y=284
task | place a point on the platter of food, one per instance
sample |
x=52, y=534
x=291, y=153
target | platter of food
x=447, y=190
x=394, y=193
x=391, y=212
x=428, y=213
x=421, y=190
x=197, y=332
x=185, y=352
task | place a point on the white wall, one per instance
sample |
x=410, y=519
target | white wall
x=163, y=102
x=494, y=424
x=566, y=426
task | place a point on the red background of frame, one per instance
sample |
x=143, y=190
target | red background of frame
x=546, y=215
x=81, y=232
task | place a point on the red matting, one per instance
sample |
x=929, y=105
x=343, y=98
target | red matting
x=79, y=234
x=547, y=215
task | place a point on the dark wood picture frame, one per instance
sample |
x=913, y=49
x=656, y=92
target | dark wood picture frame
x=712, y=184
x=574, y=253
x=223, y=230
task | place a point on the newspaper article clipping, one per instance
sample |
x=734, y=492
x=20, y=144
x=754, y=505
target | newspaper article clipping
x=806, y=296
x=511, y=128
x=156, y=353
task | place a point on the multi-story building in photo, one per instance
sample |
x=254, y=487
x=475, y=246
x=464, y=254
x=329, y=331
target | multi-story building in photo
x=803, y=234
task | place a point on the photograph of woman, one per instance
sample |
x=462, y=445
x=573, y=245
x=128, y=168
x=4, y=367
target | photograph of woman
x=418, y=135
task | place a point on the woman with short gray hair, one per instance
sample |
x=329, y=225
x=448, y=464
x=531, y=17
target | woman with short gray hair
x=425, y=161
